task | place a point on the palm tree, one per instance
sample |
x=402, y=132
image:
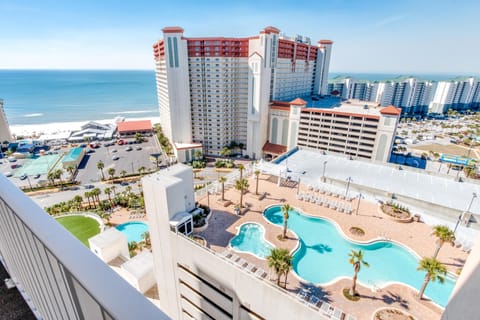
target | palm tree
x=100, y=166
x=51, y=177
x=146, y=237
x=58, y=175
x=108, y=191
x=278, y=260
x=434, y=270
x=197, y=155
x=123, y=173
x=241, y=167
x=141, y=170
x=444, y=235
x=114, y=189
x=225, y=152
x=138, y=136
x=129, y=190
x=257, y=174
x=78, y=201
x=71, y=169
x=356, y=259
x=111, y=172
x=285, y=209
x=132, y=246
x=87, y=195
x=241, y=185
x=222, y=180
x=96, y=194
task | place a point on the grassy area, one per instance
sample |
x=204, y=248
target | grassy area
x=81, y=227
x=448, y=149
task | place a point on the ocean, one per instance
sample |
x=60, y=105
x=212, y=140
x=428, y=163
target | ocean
x=40, y=97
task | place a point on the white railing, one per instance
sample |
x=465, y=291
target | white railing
x=55, y=273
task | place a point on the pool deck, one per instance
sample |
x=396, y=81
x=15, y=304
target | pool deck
x=223, y=225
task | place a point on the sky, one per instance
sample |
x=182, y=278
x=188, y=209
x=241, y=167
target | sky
x=407, y=36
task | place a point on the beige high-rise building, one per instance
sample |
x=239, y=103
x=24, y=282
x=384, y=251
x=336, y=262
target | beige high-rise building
x=215, y=90
x=5, y=134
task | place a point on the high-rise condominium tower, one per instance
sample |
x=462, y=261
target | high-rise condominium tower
x=212, y=91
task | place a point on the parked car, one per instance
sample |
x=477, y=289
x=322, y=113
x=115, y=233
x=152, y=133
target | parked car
x=115, y=158
x=88, y=186
x=138, y=148
x=128, y=148
x=124, y=183
x=8, y=174
x=23, y=177
x=114, y=150
x=36, y=176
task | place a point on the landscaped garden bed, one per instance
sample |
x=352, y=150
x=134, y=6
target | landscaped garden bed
x=357, y=231
x=396, y=212
x=392, y=314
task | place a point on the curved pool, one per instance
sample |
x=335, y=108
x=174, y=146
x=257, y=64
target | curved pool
x=322, y=257
x=251, y=239
x=133, y=230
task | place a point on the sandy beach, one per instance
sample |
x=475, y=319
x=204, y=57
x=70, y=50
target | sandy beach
x=62, y=127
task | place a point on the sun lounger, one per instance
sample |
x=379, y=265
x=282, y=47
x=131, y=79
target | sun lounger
x=350, y=317
x=326, y=308
x=313, y=301
x=260, y=273
x=234, y=257
x=251, y=268
x=241, y=262
x=302, y=295
x=227, y=254
x=337, y=314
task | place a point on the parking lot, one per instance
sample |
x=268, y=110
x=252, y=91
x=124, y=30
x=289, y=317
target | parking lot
x=128, y=157
x=130, y=161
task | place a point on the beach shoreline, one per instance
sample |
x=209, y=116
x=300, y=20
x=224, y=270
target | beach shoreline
x=36, y=130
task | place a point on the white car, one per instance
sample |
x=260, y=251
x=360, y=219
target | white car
x=8, y=174
x=115, y=157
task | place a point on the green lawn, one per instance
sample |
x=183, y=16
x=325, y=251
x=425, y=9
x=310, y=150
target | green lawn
x=81, y=227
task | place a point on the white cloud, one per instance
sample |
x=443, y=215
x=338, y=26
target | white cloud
x=389, y=20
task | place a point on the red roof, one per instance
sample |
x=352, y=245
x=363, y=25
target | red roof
x=172, y=30
x=274, y=148
x=391, y=110
x=325, y=42
x=298, y=102
x=137, y=125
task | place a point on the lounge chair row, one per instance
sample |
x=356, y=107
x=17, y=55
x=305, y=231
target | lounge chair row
x=330, y=190
x=326, y=202
x=323, y=307
x=137, y=216
x=242, y=263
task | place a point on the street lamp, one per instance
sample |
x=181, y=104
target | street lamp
x=358, y=204
x=474, y=195
x=208, y=198
x=324, y=166
x=349, y=179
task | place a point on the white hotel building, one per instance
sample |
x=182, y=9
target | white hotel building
x=458, y=94
x=5, y=134
x=212, y=91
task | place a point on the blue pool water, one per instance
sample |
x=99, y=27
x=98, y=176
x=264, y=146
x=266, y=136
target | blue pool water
x=250, y=238
x=323, y=257
x=133, y=230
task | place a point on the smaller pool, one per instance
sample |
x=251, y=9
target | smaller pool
x=250, y=238
x=133, y=230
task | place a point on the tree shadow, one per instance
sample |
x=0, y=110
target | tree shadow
x=321, y=248
x=389, y=298
x=313, y=290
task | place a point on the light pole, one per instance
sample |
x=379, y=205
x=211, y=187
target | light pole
x=324, y=166
x=358, y=204
x=349, y=179
x=208, y=198
x=298, y=185
x=474, y=195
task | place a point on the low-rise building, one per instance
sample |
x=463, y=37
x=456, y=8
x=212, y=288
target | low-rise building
x=93, y=131
x=130, y=128
x=355, y=128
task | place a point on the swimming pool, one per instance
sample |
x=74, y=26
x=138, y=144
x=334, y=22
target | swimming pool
x=250, y=238
x=322, y=257
x=133, y=230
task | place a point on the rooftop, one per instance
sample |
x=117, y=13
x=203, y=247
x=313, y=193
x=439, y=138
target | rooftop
x=136, y=125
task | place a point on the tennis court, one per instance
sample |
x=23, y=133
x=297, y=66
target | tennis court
x=41, y=165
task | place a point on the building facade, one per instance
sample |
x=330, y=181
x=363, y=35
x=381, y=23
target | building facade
x=353, y=128
x=217, y=90
x=5, y=134
x=412, y=95
x=459, y=94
